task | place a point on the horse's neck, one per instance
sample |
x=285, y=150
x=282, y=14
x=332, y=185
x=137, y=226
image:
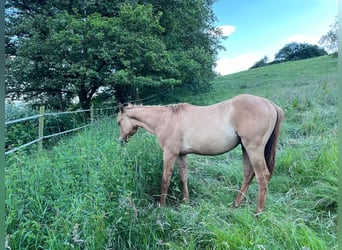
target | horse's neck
x=149, y=118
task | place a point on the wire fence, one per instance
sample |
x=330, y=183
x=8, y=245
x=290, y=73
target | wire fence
x=94, y=113
x=41, y=116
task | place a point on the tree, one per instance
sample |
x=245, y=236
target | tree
x=262, y=62
x=329, y=41
x=297, y=51
x=76, y=56
x=59, y=50
x=192, y=37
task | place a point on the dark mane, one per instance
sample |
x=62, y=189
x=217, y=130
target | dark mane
x=176, y=108
x=130, y=105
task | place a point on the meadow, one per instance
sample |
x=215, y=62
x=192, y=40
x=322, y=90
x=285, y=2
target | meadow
x=88, y=192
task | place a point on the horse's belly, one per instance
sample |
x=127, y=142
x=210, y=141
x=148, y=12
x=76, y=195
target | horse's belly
x=210, y=142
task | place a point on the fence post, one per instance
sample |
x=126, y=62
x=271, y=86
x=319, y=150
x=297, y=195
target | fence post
x=41, y=128
x=137, y=95
x=92, y=118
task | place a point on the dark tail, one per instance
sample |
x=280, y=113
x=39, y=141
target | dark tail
x=271, y=146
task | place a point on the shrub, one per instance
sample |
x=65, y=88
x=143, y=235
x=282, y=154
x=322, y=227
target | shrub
x=297, y=51
x=260, y=63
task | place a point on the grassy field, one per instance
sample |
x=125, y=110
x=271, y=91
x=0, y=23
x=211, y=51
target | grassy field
x=90, y=193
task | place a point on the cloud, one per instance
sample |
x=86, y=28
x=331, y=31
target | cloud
x=225, y=65
x=230, y=65
x=227, y=30
x=303, y=39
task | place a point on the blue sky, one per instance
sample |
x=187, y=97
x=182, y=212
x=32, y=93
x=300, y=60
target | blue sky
x=256, y=28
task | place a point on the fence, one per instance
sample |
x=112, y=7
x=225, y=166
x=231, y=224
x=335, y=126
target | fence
x=42, y=114
x=40, y=118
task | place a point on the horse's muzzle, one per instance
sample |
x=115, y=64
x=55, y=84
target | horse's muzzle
x=121, y=141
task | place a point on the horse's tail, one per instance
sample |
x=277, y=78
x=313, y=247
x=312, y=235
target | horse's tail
x=271, y=146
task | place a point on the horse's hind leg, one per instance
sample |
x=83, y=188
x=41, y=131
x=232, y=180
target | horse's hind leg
x=248, y=174
x=257, y=159
x=183, y=172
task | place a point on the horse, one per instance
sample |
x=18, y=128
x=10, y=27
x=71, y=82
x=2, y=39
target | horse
x=182, y=129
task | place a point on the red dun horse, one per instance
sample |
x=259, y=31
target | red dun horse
x=182, y=129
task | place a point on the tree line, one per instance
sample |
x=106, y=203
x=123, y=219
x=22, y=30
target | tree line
x=298, y=51
x=58, y=51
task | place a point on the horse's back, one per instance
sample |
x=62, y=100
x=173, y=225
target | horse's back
x=218, y=128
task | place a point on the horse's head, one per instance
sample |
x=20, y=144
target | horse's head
x=127, y=125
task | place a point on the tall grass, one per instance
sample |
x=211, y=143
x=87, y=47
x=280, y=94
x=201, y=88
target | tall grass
x=90, y=193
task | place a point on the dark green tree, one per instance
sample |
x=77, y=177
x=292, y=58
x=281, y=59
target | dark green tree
x=298, y=51
x=192, y=38
x=262, y=62
x=59, y=50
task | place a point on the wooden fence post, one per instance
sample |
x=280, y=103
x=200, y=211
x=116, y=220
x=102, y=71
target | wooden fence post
x=41, y=128
x=92, y=118
x=137, y=97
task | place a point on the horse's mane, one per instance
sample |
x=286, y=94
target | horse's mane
x=175, y=108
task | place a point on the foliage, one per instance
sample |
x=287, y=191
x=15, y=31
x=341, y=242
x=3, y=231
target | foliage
x=193, y=39
x=60, y=50
x=330, y=40
x=26, y=131
x=90, y=193
x=19, y=133
x=297, y=51
x=262, y=62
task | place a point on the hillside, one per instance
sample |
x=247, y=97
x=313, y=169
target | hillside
x=270, y=81
x=90, y=193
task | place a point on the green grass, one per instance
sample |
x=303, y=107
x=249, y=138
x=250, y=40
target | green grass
x=89, y=193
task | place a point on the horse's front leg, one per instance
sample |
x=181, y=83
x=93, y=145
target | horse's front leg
x=168, y=165
x=183, y=172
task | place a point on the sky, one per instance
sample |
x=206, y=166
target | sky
x=256, y=28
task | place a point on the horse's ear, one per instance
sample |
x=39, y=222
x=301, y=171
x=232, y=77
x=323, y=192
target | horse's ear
x=122, y=108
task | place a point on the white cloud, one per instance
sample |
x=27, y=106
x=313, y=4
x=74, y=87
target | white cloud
x=303, y=39
x=239, y=63
x=227, y=30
